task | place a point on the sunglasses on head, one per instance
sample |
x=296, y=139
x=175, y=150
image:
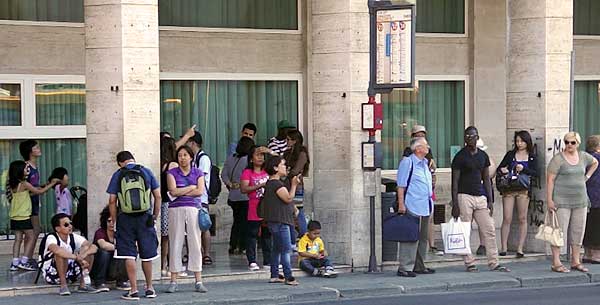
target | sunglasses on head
x=67, y=224
x=570, y=142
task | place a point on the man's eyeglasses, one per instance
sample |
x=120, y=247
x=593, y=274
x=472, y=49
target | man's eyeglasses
x=570, y=142
x=67, y=224
x=471, y=136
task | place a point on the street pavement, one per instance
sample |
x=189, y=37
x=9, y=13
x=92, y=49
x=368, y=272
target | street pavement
x=588, y=294
x=525, y=276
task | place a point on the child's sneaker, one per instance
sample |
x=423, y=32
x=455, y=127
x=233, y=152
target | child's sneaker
x=254, y=267
x=329, y=273
x=14, y=267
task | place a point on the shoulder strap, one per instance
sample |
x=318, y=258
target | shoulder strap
x=72, y=242
x=234, y=167
x=409, y=177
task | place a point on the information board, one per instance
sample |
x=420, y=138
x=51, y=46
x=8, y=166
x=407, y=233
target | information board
x=393, y=46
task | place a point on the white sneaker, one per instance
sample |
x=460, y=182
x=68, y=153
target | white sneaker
x=254, y=267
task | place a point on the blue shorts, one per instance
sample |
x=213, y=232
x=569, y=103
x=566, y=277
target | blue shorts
x=136, y=233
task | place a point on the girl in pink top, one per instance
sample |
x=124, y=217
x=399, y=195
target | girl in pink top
x=252, y=182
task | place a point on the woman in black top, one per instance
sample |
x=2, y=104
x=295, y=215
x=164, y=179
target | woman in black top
x=168, y=160
x=277, y=209
x=520, y=160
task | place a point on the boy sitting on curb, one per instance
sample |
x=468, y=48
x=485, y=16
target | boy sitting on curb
x=313, y=257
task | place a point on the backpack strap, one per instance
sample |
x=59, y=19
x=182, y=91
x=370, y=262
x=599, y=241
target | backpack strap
x=209, y=170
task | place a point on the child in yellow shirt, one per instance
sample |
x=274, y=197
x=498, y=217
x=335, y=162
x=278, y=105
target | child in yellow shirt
x=313, y=257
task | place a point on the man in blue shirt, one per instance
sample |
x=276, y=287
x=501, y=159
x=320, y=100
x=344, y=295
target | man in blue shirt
x=135, y=233
x=414, y=198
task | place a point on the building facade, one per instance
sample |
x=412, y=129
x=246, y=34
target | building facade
x=90, y=78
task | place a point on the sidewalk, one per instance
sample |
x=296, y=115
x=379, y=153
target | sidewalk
x=347, y=285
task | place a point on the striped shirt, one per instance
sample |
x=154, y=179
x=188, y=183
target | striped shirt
x=277, y=146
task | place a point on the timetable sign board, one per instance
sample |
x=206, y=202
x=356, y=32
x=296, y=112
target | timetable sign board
x=394, y=47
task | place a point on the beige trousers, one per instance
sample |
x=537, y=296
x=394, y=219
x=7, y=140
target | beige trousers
x=184, y=220
x=475, y=208
x=572, y=224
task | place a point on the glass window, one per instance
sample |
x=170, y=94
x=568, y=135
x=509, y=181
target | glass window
x=67, y=153
x=253, y=14
x=220, y=108
x=10, y=104
x=585, y=17
x=60, y=104
x=439, y=105
x=586, y=108
x=42, y=10
x=441, y=16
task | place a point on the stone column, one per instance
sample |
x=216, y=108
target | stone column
x=339, y=65
x=540, y=41
x=489, y=77
x=122, y=84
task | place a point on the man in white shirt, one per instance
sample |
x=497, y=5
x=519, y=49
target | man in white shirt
x=67, y=256
x=202, y=161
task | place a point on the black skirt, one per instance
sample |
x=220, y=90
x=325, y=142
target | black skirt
x=591, y=239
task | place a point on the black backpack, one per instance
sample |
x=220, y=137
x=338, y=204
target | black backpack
x=44, y=258
x=214, y=187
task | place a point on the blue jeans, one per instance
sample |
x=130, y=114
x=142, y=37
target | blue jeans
x=282, y=248
x=302, y=225
x=265, y=242
x=310, y=264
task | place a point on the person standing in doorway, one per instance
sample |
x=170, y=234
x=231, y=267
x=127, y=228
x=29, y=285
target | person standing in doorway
x=278, y=144
x=203, y=163
x=168, y=161
x=248, y=130
x=470, y=167
x=297, y=159
x=237, y=200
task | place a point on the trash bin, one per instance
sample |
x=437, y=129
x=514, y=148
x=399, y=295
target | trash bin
x=388, y=207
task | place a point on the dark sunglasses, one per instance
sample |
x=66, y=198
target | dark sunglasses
x=67, y=224
x=570, y=142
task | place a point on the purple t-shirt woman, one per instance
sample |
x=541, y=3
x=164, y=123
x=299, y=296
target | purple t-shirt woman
x=181, y=181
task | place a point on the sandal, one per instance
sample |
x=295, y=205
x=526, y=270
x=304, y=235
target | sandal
x=472, y=268
x=207, y=260
x=580, y=268
x=501, y=268
x=560, y=269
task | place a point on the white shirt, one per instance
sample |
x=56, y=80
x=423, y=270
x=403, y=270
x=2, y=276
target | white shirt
x=203, y=164
x=51, y=240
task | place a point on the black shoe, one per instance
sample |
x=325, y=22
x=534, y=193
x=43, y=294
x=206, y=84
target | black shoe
x=425, y=271
x=502, y=253
x=480, y=250
x=131, y=296
x=231, y=251
x=520, y=255
x=406, y=273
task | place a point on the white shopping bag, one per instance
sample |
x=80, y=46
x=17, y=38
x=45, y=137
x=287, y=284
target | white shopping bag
x=456, y=235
